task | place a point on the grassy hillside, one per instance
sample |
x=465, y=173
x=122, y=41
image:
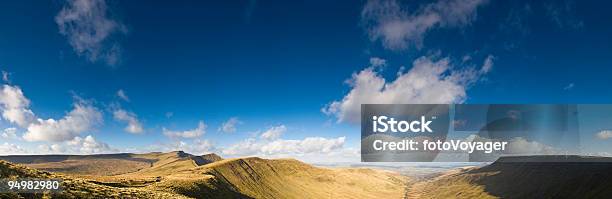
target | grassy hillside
x=97, y=165
x=526, y=177
x=92, y=167
x=210, y=176
x=114, y=164
x=74, y=187
x=288, y=178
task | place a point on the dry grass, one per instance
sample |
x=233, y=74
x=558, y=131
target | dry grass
x=177, y=174
x=452, y=184
x=288, y=178
x=531, y=177
x=95, y=167
x=74, y=187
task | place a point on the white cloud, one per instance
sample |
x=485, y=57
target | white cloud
x=196, y=147
x=15, y=106
x=246, y=147
x=89, y=28
x=488, y=64
x=399, y=28
x=15, y=109
x=274, y=132
x=88, y=145
x=569, y=87
x=9, y=133
x=194, y=133
x=134, y=126
x=51, y=149
x=83, y=117
x=604, y=135
x=520, y=146
x=307, y=145
x=121, y=94
x=230, y=125
x=376, y=62
x=77, y=145
x=429, y=81
x=11, y=149
x=5, y=77
x=272, y=146
x=200, y=147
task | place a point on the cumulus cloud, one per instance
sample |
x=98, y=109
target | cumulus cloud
x=9, y=133
x=134, y=126
x=88, y=145
x=604, y=135
x=51, y=149
x=89, y=28
x=230, y=125
x=271, y=145
x=121, y=94
x=274, y=132
x=200, y=147
x=307, y=145
x=520, y=145
x=83, y=117
x=15, y=106
x=196, y=147
x=430, y=80
x=77, y=145
x=11, y=149
x=376, y=62
x=193, y=133
x=15, y=109
x=399, y=28
x=249, y=146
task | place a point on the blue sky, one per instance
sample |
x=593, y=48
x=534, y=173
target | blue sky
x=283, y=64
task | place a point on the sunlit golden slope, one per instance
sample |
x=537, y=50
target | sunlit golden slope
x=74, y=187
x=288, y=178
x=209, y=176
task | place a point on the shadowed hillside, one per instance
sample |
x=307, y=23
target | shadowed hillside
x=526, y=177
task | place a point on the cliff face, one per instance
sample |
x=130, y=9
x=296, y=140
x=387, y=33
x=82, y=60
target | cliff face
x=207, y=159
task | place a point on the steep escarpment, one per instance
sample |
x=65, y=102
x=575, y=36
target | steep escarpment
x=289, y=178
x=528, y=177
